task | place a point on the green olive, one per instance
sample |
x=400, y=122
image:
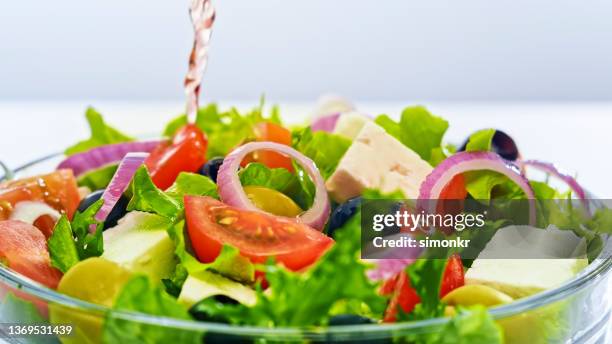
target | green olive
x=96, y=280
x=476, y=294
x=272, y=201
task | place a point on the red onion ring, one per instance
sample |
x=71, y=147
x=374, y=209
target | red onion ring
x=104, y=155
x=232, y=193
x=473, y=161
x=326, y=123
x=551, y=169
x=119, y=183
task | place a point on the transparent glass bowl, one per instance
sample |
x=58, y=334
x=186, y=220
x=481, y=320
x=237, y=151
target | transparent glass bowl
x=579, y=311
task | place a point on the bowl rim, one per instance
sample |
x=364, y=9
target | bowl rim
x=597, y=270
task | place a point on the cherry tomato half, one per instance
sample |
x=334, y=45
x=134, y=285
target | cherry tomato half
x=186, y=152
x=267, y=131
x=257, y=235
x=57, y=189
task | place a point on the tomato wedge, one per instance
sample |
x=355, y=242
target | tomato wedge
x=24, y=249
x=186, y=152
x=454, y=275
x=58, y=189
x=258, y=236
x=404, y=296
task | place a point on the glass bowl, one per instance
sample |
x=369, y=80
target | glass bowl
x=579, y=311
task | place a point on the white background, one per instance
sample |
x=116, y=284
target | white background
x=391, y=50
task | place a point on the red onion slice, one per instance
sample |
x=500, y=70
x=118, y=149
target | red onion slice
x=551, y=169
x=326, y=123
x=30, y=211
x=473, y=161
x=232, y=193
x=119, y=183
x=104, y=155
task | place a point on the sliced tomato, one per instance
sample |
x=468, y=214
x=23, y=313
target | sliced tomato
x=24, y=249
x=404, y=296
x=455, y=189
x=58, y=189
x=454, y=275
x=267, y=131
x=186, y=152
x=258, y=236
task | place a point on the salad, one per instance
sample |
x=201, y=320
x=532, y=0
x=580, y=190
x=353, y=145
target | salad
x=239, y=218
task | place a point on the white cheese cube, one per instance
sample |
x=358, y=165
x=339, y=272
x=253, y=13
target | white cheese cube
x=377, y=160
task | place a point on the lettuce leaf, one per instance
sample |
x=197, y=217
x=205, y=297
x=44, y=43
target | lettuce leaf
x=480, y=141
x=226, y=130
x=140, y=295
x=72, y=242
x=99, y=178
x=323, y=148
x=473, y=325
x=278, y=179
x=101, y=134
x=418, y=130
x=229, y=263
x=148, y=198
x=307, y=298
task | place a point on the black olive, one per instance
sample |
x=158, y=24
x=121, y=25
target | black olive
x=211, y=168
x=342, y=213
x=501, y=144
x=119, y=210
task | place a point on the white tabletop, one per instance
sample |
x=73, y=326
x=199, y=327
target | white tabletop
x=573, y=135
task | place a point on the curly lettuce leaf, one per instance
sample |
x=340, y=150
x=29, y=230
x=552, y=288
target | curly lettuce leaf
x=101, y=134
x=278, y=179
x=72, y=242
x=323, y=148
x=473, y=325
x=229, y=263
x=309, y=297
x=169, y=204
x=426, y=278
x=480, y=141
x=140, y=295
x=418, y=130
x=228, y=129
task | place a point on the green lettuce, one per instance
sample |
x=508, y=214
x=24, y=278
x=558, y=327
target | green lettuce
x=148, y=198
x=72, y=242
x=418, y=130
x=228, y=129
x=480, y=141
x=281, y=180
x=323, y=148
x=229, y=262
x=426, y=278
x=174, y=125
x=101, y=134
x=473, y=325
x=309, y=297
x=99, y=178
x=140, y=295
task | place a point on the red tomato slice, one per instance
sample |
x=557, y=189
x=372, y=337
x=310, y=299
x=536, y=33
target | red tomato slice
x=185, y=153
x=58, y=189
x=454, y=276
x=404, y=296
x=24, y=249
x=266, y=131
x=455, y=189
x=257, y=235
